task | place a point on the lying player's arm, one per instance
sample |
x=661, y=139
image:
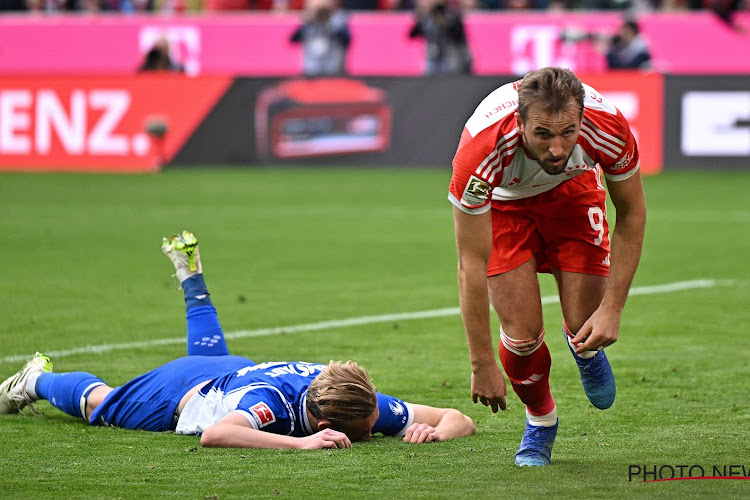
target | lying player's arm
x=234, y=431
x=474, y=244
x=437, y=424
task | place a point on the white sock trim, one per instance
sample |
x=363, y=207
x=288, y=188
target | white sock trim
x=584, y=354
x=30, y=386
x=547, y=420
x=184, y=273
x=511, y=344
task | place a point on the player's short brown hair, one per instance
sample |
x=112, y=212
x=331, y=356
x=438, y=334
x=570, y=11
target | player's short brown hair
x=552, y=89
x=342, y=392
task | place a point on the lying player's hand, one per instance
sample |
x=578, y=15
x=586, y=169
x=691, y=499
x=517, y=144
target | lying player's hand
x=327, y=438
x=421, y=433
x=488, y=387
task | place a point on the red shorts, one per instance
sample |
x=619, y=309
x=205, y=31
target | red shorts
x=565, y=228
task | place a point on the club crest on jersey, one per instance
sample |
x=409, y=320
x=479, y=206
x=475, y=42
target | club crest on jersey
x=263, y=414
x=476, y=193
x=396, y=407
x=625, y=160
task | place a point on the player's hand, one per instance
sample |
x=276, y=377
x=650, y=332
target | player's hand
x=421, y=433
x=327, y=438
x=488, y=387
x=599, y=331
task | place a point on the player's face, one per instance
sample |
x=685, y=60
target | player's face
x=361, y=428
x=549, y=138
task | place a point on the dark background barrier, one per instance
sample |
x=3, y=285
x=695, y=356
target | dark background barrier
x=707, y=122
x=422, y=117
x=427, y=118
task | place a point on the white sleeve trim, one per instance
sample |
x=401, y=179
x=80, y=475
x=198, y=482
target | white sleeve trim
x=622, y=177
x=410, y=409
x=465, y=209
x=250, y=418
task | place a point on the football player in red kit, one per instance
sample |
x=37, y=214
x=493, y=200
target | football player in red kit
x=528, y=197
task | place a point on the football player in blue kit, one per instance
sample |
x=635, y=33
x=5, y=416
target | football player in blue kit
x=231, y=401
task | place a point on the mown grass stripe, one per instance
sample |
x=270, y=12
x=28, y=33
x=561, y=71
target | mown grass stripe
x=347, y=322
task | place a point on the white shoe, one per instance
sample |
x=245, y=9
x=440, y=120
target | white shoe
x=13, y=395
x=182, y=250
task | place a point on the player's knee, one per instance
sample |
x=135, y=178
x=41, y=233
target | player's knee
x=95, y=398
x=521, y=330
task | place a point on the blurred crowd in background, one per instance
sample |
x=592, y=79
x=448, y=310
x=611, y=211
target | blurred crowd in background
x=419, y=6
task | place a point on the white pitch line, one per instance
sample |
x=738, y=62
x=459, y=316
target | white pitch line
x=342, y=323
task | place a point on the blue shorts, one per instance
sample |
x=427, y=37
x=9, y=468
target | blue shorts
x=149, y=402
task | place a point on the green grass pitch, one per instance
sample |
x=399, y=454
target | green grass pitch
x=80, y=266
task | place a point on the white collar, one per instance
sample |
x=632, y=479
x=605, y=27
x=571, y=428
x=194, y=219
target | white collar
x=307, y=427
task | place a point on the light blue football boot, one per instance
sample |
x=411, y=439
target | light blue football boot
x=536, y=445
x=597, y=377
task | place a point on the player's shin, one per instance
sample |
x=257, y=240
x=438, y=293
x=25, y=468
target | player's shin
x=196, y=292
x=527, y=364
x=204, y=334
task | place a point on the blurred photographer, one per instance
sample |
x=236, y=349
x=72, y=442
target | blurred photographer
x=627, y=49
x=443, y=28
x=158, y=58
x=325, y=38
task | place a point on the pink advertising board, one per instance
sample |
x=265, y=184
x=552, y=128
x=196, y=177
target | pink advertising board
x=258, y=45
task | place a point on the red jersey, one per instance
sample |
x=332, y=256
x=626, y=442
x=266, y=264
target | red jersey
x=490, y=163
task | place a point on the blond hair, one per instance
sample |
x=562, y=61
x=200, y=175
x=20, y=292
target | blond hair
x=552, y=89
x=342, y=392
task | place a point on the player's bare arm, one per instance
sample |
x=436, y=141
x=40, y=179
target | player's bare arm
x=602, y=328
x=474, y=242
x=234, y=431
x=437, y=424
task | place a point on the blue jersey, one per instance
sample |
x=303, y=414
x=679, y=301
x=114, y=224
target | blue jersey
x=271, y=396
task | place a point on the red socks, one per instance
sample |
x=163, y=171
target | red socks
x=527, y=364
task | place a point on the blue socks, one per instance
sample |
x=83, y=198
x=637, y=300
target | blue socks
x=196, y=292
x=67, y=391
x=204, y=334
